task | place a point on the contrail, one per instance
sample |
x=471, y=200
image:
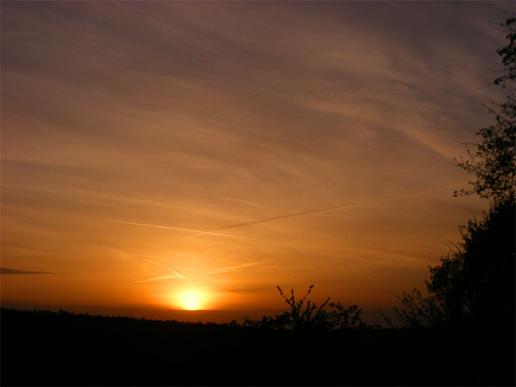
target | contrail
x=286, y=216
x=175, y=228
x=160, y=278
x=341, y=207
x=229, y=269
x=175, y=273
x=231, y=198
x=131, y=257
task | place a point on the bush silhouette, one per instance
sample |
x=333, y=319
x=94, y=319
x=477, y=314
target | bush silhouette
x=306, y=314
x=473, y=285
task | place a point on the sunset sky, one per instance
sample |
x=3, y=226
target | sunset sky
x=197, y=154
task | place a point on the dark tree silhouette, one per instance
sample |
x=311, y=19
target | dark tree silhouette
x=508, y=53
x=492, y=162
x=474, y=284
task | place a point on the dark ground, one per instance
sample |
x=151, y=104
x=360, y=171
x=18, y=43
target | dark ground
x=46, y=348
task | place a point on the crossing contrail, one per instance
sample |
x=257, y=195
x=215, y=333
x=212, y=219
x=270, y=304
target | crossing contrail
x=175, y=273
x=341, y=207
x=200, y=232
x=217, y=232
x=172, y=273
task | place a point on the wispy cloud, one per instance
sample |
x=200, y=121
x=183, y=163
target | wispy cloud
x=11, y=271
x=198, y=232
x=176, y=275
x=197, y=121
x=233, y=268
x=159, y=278
x=334, y=208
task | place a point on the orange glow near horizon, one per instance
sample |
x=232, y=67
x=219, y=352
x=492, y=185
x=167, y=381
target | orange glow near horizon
x=195, y=155
x=191, y=299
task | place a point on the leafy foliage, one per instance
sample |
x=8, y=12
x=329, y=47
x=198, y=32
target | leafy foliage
x=493, y=161
x=508, y=53
x=416, y=311
x=303, y=313
x=473, y=285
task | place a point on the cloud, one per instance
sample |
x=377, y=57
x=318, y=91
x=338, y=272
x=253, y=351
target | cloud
x=233, y=268
x=342, y=207
x=214, y=116
x=159, y=278
x=11, y=271
x=196, y=232
x=174, y=272
x=177, y=275
x=247, y=290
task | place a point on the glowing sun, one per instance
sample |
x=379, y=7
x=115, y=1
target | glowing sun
x=191, y=299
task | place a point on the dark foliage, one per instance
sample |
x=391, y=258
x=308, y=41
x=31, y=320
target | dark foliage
x=475, y=284
x=416, y=311
x=46, y=348
x=305, y=314
x=508, y=53
x=492, y=162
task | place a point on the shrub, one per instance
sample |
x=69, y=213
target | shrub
x=304, y=313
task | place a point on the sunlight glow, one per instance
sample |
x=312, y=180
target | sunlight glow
x=191, y=299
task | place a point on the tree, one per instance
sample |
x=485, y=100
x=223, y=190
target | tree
x=492, y=162
x=474, y=284
x=508, y=53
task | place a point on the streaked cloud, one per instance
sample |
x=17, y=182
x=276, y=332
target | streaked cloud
x=197, y=232
x=11, y=271
x=141, y=141
x=341, y=207
x=233, y=268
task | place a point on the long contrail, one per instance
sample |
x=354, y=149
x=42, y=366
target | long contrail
x=175, y=274
x=286, y=216
x=175, y=228
x=341, y=207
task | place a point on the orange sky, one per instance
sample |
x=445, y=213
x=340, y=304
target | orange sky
x=129, y=128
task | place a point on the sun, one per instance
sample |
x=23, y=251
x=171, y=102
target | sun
x=191, y=299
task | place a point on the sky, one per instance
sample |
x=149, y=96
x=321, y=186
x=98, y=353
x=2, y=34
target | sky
x=198, y=154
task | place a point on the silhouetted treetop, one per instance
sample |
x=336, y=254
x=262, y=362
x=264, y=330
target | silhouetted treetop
x=508, y=53
x=492, y=161
x=474, y=284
